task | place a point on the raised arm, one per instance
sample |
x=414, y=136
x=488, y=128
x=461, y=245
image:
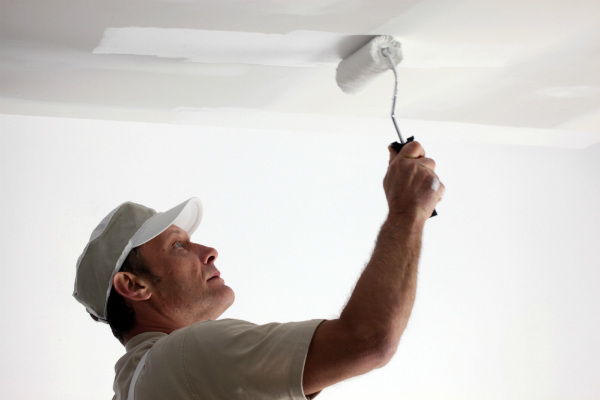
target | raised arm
x=367, y=333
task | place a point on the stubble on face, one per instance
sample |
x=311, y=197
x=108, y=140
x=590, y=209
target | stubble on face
x=184, y=291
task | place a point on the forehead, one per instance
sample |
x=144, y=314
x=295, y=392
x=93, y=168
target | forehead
x=171, y=232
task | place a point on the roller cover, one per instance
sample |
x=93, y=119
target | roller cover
x=356, y=72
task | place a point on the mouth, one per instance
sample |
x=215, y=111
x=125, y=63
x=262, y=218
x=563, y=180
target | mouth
x=215, y=276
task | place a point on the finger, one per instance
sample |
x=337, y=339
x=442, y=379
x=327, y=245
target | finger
x=412, y=150
x=439, y=188
x=427, y=163
x=393, y=154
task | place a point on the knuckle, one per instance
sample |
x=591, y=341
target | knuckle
x=418, y=146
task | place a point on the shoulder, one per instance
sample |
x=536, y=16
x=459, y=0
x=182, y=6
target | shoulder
x=234, y=331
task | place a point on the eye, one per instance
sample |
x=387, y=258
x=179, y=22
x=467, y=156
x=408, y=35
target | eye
x=177, y=244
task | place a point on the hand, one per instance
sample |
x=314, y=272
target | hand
x=410, y=184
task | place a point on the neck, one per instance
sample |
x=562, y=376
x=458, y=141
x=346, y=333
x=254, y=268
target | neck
x=148, y=320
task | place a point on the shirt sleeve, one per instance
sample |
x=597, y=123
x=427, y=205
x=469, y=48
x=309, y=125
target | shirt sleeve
x=234, y=359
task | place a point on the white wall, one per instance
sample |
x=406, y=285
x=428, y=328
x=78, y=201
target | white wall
x=508, y=300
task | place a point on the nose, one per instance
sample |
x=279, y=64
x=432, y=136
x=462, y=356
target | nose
x=207, y=254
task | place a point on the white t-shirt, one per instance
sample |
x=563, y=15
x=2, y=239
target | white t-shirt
x=223, y=359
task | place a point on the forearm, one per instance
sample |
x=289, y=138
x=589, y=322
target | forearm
x=382, y=300
x=368, y=331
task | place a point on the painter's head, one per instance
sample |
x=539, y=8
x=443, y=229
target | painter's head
x=140, y=271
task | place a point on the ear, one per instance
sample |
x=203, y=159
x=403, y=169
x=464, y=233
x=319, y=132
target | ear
x=131, y=286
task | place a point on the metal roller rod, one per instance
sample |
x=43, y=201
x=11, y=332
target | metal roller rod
x=386, y=53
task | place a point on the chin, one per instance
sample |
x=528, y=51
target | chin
x=224, y=301
x=230, y=298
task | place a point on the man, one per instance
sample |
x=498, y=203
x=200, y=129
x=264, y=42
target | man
x=162, y=295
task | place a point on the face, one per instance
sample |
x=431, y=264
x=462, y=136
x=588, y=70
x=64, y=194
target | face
x=190, y=288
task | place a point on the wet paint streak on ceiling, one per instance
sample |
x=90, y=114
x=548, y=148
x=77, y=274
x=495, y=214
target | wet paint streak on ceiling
x=294, y=49
x=485, y=63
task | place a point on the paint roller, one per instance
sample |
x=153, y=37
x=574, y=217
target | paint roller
x=359, y=70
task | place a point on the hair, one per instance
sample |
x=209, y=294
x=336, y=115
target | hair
x=120, y=315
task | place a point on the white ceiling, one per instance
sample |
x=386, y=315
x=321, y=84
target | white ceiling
x=529, y=67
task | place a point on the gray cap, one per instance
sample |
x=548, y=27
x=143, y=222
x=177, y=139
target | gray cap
x=127, y=226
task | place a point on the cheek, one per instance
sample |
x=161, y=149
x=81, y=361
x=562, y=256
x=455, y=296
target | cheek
x=181, y=284
x=186, y=288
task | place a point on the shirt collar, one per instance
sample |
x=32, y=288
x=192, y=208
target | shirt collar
x=141, y=338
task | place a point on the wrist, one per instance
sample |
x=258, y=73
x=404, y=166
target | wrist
x=408, y=218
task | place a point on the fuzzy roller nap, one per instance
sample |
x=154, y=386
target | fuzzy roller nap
x=359, y=70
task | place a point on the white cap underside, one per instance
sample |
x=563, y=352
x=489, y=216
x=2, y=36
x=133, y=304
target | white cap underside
x=186, y=215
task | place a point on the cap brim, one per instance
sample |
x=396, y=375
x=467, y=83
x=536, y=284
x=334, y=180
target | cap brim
x=186, y=215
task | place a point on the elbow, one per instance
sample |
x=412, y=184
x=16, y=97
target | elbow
x=372, y=347
x=380, y=349
x=385, y=349
x=386, y=354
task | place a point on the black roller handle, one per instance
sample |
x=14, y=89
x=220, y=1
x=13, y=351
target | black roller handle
x=398, y=146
